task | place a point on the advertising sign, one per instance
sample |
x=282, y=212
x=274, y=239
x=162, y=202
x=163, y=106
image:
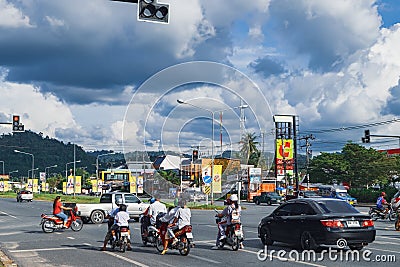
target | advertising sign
x=42, y=176
x=206, y=175
x=29, y=186
x=2, y=186
x=132, y=184
x=35, y=186
x=284, y=158
x=217, y=175
x=140, y=184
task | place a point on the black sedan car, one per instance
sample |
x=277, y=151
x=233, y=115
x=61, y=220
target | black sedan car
x=316, y=222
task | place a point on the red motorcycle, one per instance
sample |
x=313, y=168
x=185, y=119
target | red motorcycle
x=50, y=223
x=185, y=241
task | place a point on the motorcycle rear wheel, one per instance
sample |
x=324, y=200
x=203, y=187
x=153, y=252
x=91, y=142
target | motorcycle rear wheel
x=235, y=243
x=77, y=225
x=374, y=216
x=392, y=216
x=184, y=246
x=48, y=226
x=124, y=244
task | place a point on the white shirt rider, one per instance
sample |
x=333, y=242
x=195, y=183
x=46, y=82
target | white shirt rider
x=155, y=209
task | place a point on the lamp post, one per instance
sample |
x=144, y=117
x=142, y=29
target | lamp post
x=97, y=167
x=33, y=160
x=212, y=137
x=45, y=173
x=32, y=170
x=3, y=166
x=66, y=170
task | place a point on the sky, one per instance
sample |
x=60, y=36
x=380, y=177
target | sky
x=89, y=73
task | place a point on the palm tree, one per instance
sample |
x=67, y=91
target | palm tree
x=249, y=151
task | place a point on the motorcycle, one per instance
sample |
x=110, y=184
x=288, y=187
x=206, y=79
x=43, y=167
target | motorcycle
x=50, y=223
x=234, y=233
x=185, y=241
x=149, y=233
x=388, y=213
x=121, y=239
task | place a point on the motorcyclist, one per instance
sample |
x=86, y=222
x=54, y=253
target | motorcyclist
x=380, y=202
x=180, y=220
x=231, y=204
x=145, y=220
x=165, y=221
x=236, y=212
x=122, y=220
x=111, y=215
x=58, y=210
x=155, y=208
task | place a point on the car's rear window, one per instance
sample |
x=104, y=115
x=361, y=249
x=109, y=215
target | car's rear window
x=333, y=206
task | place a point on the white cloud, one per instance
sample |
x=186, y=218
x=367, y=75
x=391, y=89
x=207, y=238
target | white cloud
x=11, y=17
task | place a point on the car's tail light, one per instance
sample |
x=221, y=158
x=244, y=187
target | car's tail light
x=332, y=223
x=367, y=223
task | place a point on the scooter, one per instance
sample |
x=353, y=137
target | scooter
x=234, y=233
x=185, y=241
x=389, y=213
x=121, y=238
x=50, y=223
x=149, y=232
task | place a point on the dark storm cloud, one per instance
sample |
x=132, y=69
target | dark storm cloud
x=267, y=66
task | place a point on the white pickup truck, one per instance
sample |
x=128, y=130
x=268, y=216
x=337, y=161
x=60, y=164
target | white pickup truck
x=97, y=212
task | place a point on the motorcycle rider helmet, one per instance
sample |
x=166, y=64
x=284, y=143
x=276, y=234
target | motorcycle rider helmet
x=383, y=194
x=234, y=197
x=152, y=200
x=119, y=201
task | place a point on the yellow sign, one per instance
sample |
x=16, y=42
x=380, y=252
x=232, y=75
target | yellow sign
x=217, y=175
x=207, y=189
x=64, y=187
x=29, y=186
x=35, y=187
x=132, y=184
x=284, y=149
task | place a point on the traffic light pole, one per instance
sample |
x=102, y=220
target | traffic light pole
x=366, y=139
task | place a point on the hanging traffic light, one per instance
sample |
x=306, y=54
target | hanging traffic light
x=16, y=125
x=195, y=155
x=150, y=10
x=367, y=137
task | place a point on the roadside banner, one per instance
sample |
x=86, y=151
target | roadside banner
x=43, y=186
x=7, y=186
x=29, y=187
x=70, y=185
x=42, y=176
x=35, y=186
x=64, y=187
x=140, y=184
x=78, y=184
x=94, y=185
x=217, y=174
x=2, y=186
x=132, y=184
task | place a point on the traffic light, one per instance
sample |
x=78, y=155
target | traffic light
x=16, y=125
x=195, y=155
x=366, y=138
x=150, y=10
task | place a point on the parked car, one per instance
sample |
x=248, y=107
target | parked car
x=313, y=223
x=24, y=195
x=268, y=197
x=97, y=212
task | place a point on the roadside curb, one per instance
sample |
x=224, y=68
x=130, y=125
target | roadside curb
x=6, y=261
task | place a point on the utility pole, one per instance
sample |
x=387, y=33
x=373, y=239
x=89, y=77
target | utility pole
x=308, y=153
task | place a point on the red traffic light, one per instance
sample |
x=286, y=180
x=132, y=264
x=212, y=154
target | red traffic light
x=15, y=118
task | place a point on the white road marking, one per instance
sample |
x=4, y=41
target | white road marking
x=393, y=238
x=70, y=237
x=5, y=213
x=204, y=259
x=87, y=244
x=38, y=249
x=126, y=259
x=12, y=233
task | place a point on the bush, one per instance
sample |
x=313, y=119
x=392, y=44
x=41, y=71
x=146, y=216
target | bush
x=364, y=195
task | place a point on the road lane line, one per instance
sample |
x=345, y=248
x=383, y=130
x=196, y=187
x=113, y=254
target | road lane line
x=38, y=249
x=70, y=237
x=383, y=242
x=12, y=233
x=204, y=259
x=8, y=214
x=393, y=238
x=384, y=250
x=126, y=259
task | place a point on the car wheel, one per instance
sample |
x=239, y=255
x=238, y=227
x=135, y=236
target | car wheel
x=257, y=202
x=266, y=237
x=307, y=242
x=269, y=202
x=97, y=217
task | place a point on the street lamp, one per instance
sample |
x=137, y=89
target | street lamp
x=97, y=167
x=212, y=136
x=32, y=170
x=3, y=166
x=33, y=160
x=45, y=173
x=66, y=170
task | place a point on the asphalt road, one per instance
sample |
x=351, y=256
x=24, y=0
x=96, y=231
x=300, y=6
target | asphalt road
x=22, y=239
